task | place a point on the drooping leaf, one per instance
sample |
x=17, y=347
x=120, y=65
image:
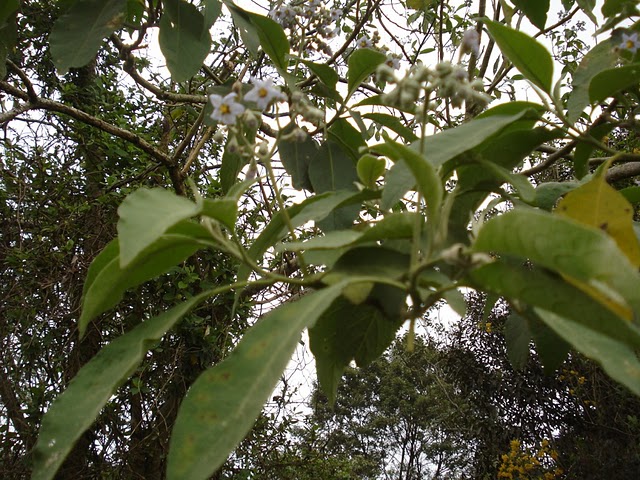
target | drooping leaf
x=535, y=11
x=147, y=214
x=212, y=10
x=527, y=55
x=616, y=358
x=107, y=281
x=577, y=251
x=595, y=61
x=346, y=332
x=296, y=158
x=552, y=349
x=584, y=149
x=76, y=408
x=245, y=26
x=518, y=337
x=520, y=182
x=184, y=39
x=231, y=166
x=332, y=170
x=362, y=63
x=77, y=35
x=609, y=82
x=344, y=134
x=223, y=403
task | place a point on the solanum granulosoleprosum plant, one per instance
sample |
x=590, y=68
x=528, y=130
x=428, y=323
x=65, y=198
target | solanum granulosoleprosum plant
x=407, y=179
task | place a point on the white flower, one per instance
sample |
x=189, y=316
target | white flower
x=630, y=42
x=365, y=42
x=470, y=43
x=335, y=14
x=393, y=62
x=225, y=109
x=284, y=15
x=264, y=93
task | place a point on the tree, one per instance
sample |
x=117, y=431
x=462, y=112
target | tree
x=401, y=174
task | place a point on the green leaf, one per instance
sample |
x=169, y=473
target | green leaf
x=8, y=40
x=632, y=194
x=332, y=170
x=583, y=150
x=550, y=347
x=362, y=63
x=615, y=7
x=547, y=194
x=273, y=40
x=296, y=158
x=609, y=82
x=184, y=39
x=595, y=61
x=536, y=288
x=521, y=183
x=369, y=169
x=77, y=35
x=232, y=164
x=343, y=133
x=398, y=181
x=212, y=10
x=346, y=332
x=107, y=281
x=245, y=26
x=580, y=252
x=394, y=124
x=517, y=337
x=325, y=73
x=527, y=55
x=7, y=8
x=223, y=403
x=448, y=144
x=616, y=358
x=427, y=179
x=145, y=215
x=536, y=11
x=225, y=210
x=75, y=409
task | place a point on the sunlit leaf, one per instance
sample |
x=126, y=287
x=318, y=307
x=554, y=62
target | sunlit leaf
x=369, y=169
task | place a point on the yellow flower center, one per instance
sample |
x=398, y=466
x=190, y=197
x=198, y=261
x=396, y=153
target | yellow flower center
x=263, y=92
x=224, y=109
x=630, y=44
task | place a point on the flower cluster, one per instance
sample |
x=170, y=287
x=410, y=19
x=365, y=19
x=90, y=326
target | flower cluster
x=309, y=16
x=227, y=109
x=446, y=81
x=522, y=464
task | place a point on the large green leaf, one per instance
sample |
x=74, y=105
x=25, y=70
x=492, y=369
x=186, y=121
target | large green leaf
x=346, y=332
x=596, y=60
x=7, y=8
x=537, y=288
x=77, y=35
x=245, y=26
x=273, y=40
x=362, y=63
x=616, y=358
x=535, y=11
x=578, y=251
x=518, y=338
x=184, y=39
x=75, y=409
x=325, y=73
x=526, y=54
x=332, y=170
x=8, y=38
x=145, y=215
x=296, y=158
x=107, y=281
x=225, y=209
x=609, y=82
x=398, y=181
x=223, y=403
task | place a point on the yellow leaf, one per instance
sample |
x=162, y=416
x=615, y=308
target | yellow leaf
x=599, y=205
